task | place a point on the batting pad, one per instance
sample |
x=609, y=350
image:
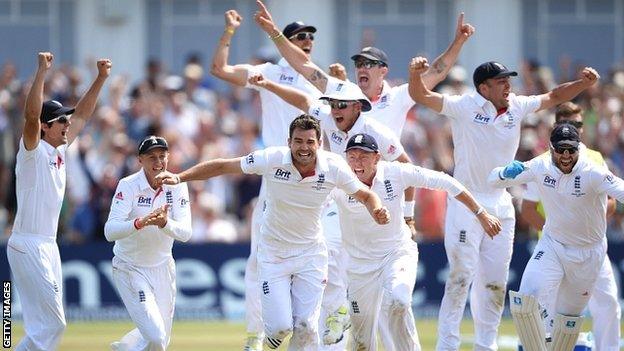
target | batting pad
x=565, y=333
x=528, y=322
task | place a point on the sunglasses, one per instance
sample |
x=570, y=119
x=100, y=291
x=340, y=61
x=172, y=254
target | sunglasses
x=576, y=124
x=61, y=119
x=303, y=36
x=368, y=64
x=561, y=149
x=339, y=105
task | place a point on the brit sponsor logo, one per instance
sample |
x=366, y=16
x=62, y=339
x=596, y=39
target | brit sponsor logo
x=336, y=138
x=550, y=182
x=481, y=119
x=144, y=201
x=286, y=79
x=282, y=174
x=383, y=102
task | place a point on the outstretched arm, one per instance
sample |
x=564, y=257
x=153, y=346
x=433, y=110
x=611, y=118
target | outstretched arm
x=236, y=74
x=292, y=96
x=417, y=88
x=294, y=55
x=442, y=64
x=34, y=102
x=202, y=171
x=86, y=105
x=567, y=91
x=373, y=204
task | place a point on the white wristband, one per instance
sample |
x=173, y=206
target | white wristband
x=479, y=211
x=408, y=209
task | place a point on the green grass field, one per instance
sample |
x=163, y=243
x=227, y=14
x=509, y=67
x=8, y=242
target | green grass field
x=223, y=336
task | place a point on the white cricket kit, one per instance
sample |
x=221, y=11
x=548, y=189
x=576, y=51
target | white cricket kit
x=292, y=256
x=384, y=257
x=390, y=109
x=572, y=250
x=483, y=139
x=604, y=305
x=32, y=251
x=276, y=118
x=143, y=266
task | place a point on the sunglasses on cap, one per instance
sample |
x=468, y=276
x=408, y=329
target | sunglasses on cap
x=576, y=124
x=560, y=149
x=61, y=119
x=303, y=36
x=339, y=105
x=368, y=64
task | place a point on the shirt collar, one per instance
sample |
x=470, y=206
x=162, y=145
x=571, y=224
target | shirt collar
x=380, y=174
x=51, y=149
x=478, y=98
x=143, y=183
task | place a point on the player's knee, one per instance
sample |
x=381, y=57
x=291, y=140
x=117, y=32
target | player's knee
x=304, y=334
x=497, y=293
x=157, y=339
x=458, y=283
x=274, y=339
x=56, y=328
x=401, y=299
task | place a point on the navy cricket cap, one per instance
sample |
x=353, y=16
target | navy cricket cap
x=297, y=27
x=372, y=53
x=362, y=141
x=489, y=70
x=53, y=110
x=152, y=142
x=565, y=134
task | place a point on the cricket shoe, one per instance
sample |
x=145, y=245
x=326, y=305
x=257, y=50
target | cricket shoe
x=335, y=326
x=254, y=342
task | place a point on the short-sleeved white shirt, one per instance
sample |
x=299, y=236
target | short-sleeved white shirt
x=134, y=198
x=292, y=218
x=389, y=144
x=482, y=139
x=390, y=109
x=363, y=238
x=276, y=113
x=40, y=188
x=576, y=203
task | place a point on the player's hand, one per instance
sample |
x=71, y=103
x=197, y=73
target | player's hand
x=258, y=80
x=463, y=31
x=45, y=60
x=589, y=76
x=167, y=178
x=161, y=215
x=232, y=19
x=381, y=215
x=490, y=224
x=411, y=224
x=512, y=170
x=418, y=65
x=264, y=20
x=104, y=67
x=337, y=70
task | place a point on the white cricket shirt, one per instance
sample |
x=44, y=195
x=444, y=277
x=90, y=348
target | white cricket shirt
x=151, y=245
x=292, y=218
x=482, y=139
x=576, y=203
x=362, y=237
x=276, y=113
x=40, y=188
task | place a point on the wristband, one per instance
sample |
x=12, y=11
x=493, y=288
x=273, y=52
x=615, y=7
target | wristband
x=479, y=211
x=500, y=175
x=230, y=30
x=408, y=209
x=137, y=226
x=277, y=36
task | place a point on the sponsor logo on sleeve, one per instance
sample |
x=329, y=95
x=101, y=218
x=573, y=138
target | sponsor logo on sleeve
x=609, y=178
x=249, y=159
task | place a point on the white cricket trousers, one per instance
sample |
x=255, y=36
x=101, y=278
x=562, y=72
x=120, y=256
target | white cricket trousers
x=478, y=260
x=373, y=283
x=36, y=267
x=253, y=307
x=149, y=296
x=292, y=290
x=604, y=307
x=569, y=271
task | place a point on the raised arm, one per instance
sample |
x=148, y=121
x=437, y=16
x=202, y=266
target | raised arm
x=417, y=88
x=203, y=171
x=34, y=102
x=567, y=91
x=220, y=68
x=295, y=56
x=86, y=104
x=373, y=204
x=442, y=64
x=292, y=96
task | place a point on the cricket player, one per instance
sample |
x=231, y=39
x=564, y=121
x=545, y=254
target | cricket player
x=570, y=254
x=292, y=255
x=33, y=255
x=603, y=303
x=276, y=117
x=383, y=259
x=144, y=220
x=486, y=126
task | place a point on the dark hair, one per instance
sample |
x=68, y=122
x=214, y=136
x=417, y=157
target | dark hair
x=567, y=109
x=305, y=122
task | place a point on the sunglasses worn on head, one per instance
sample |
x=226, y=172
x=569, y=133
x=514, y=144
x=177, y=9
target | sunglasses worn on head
x=576, y=124
x=368, y=64
x=561, y=149
x=303, y=36
x=339, y=105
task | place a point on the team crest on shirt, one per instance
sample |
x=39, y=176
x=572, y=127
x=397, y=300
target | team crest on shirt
x=577, y=187
x=481, y=119
x=390, y=195
x=549, y=182
x=509, y=119
x=144, y=201
x=351, y=199
x=249, y=159
x=383, y=102
x=320, y=182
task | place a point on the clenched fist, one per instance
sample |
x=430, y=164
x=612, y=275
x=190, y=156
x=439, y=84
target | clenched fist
x=589, y=76
x=45, y=60
x=418, y=65
x=104, y=67
x=232, y=19
x=381, y=215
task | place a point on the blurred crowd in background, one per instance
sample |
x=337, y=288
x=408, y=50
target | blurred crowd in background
x=203, y=119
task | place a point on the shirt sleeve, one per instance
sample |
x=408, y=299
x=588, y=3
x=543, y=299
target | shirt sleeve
x=179, y=222
x=427, y=178
x=452, y=106
x=345, y=178
x=254, y=71
x=26, y=161
x=320, y=111
x=255, y=163
x=528, y=104
x=119, y=224
x=403, y=97
x=531, y=193
x=609, y=184
x=390, y=146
